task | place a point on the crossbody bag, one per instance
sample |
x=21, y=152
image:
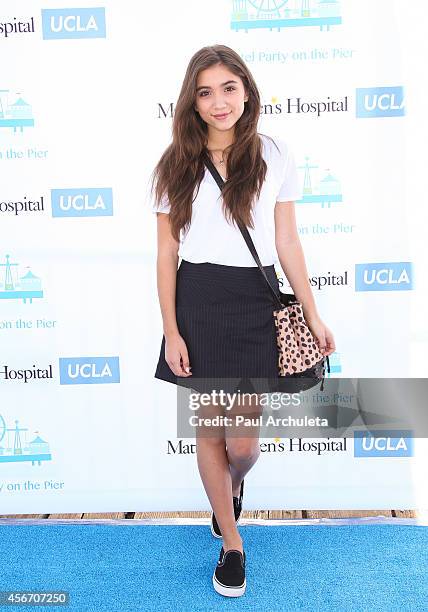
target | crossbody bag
x=298, y=352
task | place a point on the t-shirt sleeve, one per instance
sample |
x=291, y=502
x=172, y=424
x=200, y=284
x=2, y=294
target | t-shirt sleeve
x=150, y=200
x=164, y=206
x=290, y=187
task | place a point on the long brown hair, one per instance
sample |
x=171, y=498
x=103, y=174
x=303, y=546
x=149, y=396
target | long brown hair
x=180, y=169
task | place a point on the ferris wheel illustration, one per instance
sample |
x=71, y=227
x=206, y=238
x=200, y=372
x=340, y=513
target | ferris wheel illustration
x=268, y=6
x=278, y=14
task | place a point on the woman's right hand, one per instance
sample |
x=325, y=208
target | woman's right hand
x=176, y=355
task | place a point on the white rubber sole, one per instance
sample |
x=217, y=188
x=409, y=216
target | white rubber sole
x=229, y=591
x=220, y=537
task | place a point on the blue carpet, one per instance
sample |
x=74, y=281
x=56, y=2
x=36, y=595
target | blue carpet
x=169, y=567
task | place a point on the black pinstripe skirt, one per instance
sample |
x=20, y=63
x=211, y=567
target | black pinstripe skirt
x=224, y=314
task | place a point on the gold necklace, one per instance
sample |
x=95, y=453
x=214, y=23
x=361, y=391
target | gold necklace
x=221, y=161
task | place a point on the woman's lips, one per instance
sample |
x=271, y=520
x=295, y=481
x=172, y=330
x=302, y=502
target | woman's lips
x=221, y=116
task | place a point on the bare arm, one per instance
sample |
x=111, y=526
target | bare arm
x=291, y=257
x=292, y=260
x=167, y=262
x=176, y=354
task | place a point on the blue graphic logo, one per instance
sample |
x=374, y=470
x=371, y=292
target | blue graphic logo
x=380, y=102
x=74, y=23
x=85, y=202
x=388, y=443
x=15, y=112
x=14, y=446
x=386, y=276
x=14, y=285
x=88, y=370
x=251, y=14
x=325, y=191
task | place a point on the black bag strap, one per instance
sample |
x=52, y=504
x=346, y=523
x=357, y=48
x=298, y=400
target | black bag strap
x=244, y=231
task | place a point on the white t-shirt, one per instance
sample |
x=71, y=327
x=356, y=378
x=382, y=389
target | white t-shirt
x=211, y=238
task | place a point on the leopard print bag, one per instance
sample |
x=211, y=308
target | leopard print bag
x=298, y=352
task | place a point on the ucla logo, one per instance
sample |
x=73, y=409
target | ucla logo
x=89, y=202
x=89, y=370
x=380, y=102
x=74, y=23
x=387, y=276
x=383, y=444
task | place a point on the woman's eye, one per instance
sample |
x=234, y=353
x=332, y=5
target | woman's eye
x=230, y=87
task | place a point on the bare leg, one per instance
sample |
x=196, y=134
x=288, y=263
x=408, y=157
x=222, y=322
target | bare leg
x=214, y=469
x=242, y=442
x=241, y=460
x=222, y=468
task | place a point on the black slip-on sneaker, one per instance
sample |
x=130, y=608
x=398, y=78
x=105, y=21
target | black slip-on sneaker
x=237, y=509
x=229, y=574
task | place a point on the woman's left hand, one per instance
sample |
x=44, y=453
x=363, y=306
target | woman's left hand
x=322, y=334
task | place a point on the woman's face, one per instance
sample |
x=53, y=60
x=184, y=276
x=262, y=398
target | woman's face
x=220, y=92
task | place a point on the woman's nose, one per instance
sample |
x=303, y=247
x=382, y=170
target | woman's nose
x=218, y=103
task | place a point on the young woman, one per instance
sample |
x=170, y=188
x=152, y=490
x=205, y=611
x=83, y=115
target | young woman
x=216, y=308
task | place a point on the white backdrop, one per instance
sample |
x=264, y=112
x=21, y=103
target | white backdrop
x=85, y=113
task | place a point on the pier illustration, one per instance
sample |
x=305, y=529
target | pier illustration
x=326, y=191
x=13, y=286
x=15, y=112
x=14, y=445
x=252, y=14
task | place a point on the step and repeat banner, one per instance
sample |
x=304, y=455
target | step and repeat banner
x=87, y=95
